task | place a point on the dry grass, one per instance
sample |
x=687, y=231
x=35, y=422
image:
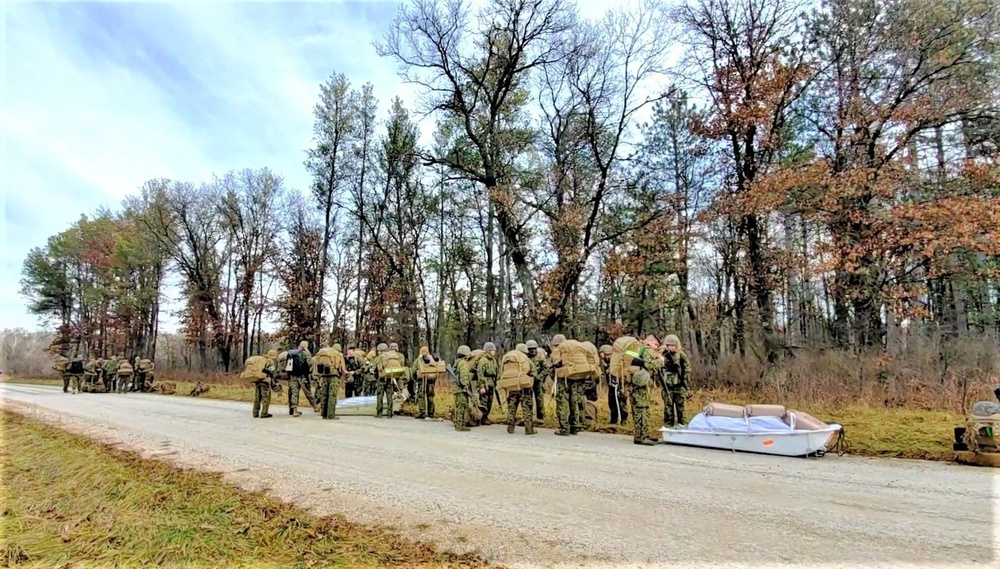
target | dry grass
x=69, y=501
x=911, y=428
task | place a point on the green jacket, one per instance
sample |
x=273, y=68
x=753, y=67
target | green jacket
x=463, y=375
x=110, y=367
x=676, y=369
x=487, y=369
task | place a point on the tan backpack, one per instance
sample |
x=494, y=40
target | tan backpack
x=473, y=359
x=433, y=370
x=124, y=368
x=391, y=364
x=145, y=365
x=594, y=357
x=622, y=352
x=575, y=360
x=515, y=372
x=328, y=361
x=253, y=369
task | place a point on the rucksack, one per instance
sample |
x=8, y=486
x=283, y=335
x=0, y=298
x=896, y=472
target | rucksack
x=575, y=360
x=594, y=357
x=75, y=366
x=297, y=364
x=124, y=369
x=473, y=359
x=391, y=365
x=328, y=361
x=253, y=369
x=433, y=370
x=622, y=352
x=145, y=365
x=515, y=370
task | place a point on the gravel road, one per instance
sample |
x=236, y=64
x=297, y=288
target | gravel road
x=585, y=501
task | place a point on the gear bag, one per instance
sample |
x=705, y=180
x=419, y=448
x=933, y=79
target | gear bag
x=124, y=369
x=297, y=364
x=473, y=359
x=328, y=361
x=575, y=360
x=145, y=365
x=75, y=367
x=432, y=371
x=594, y=357
x=391, y=365
x=253, y=369
x=515, y=370
x=622, y=352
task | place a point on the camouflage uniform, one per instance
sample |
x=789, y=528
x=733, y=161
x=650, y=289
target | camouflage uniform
x=61, y=365
x=300, y=381
x=368, y=375
x=75, y=378
x=353, y=383
x=523, y=398
x=111, y=374
x=569, y=397
x=383, y=386
x=639, y=395
x=463, y=383
x=424, y=386
x=486, y=372
x=330, y=384
x=90, y=376
x=542, y=371
x=674, y=376
x=262, y=388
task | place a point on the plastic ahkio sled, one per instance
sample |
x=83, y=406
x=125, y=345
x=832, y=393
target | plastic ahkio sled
x=761, y=429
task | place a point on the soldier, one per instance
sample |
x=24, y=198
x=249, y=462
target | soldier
x=542, y=371
x=676, y=371
x=74, y=372
x=353, y=382
x=125, y=374
x=61, y=365
x=460, y=389
x=486, y=372
x=111, y=373
x=524, y=398
x=368, y=374
x=261, y=371
x=90, y=376
x=426, y=370
x=99, y=375
x=617, y=401
x=329, y=365
x=383, y=390
x=648, y=361
x=297, y=365
x=568, y=394
x=144, y=374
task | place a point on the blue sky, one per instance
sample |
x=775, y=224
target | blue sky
x=102, y=96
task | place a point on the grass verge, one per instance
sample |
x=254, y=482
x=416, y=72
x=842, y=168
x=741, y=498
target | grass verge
x=871, y=430
x=66, y=500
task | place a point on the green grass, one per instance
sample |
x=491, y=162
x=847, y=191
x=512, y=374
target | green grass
x=66, y=500
x=870, y=430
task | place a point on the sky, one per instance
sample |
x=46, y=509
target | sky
x=99, y=97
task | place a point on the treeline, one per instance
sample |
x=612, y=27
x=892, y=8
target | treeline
x=797, y=178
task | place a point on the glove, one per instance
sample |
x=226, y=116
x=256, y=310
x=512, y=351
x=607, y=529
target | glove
x=641, y=363
x=427, y=359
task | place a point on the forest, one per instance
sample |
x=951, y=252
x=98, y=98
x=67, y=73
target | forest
x=795, y=189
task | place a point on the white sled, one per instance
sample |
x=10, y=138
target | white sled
x=362, y=406
x=762, y=435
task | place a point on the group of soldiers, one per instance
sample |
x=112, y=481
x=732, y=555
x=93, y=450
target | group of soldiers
x=478, y=377
x=100, y=375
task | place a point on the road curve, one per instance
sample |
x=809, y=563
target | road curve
x=590, y=500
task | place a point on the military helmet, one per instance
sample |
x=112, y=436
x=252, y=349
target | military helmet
x=558, y=339
x=304, y=345
x=272, y=353
x=672, y=340
x=394, y=346
x=337, y=347
x=489, y=346
x=606, y=349
x=532, y=345
x=523, y=348
x=464, y=351
x=381, y=347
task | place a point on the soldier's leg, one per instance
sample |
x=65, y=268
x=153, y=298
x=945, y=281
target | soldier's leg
x=265, y=399
x=677, y=396
x=419, y=397
x=668, y=410
x=563, y=406
x=65, y=379
x=257, y=397
x=622, y=404
x=461, y=404
x=378, y=398
x=576, y=405
x=349, y=388
x=637, y=422
x=512, y=402
x=527, y=408
x=293, y=395
x=538, y=387
x=487, y=404
x=429, y=394
x=307, y=384
x=331, y=388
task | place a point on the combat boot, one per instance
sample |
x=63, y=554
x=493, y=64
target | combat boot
x=462, y=429
x=562, y=433
x=644, y=442
x=266, y=416
x=530, y=431
x=510, y=429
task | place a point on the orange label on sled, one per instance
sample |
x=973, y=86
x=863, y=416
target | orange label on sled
x=768, y=442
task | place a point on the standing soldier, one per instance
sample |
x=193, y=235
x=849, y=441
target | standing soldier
x=383, y=392
x=329, y=365
x=568, y=393
x=542, y=370
x=426, y=370
x=111, y=373
x=99, y=375
x=61, y=365
x=352, y=384
x=486, y=372
x=460, y=388
x=125, y=374
x=297, y=366
x=522, y=396
x=74, y=371
x=676, y=370
x=90, y=376
x=368, y=373
x=144, y=374
x=259, y=370
x=648, y=361
x=391, y=369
